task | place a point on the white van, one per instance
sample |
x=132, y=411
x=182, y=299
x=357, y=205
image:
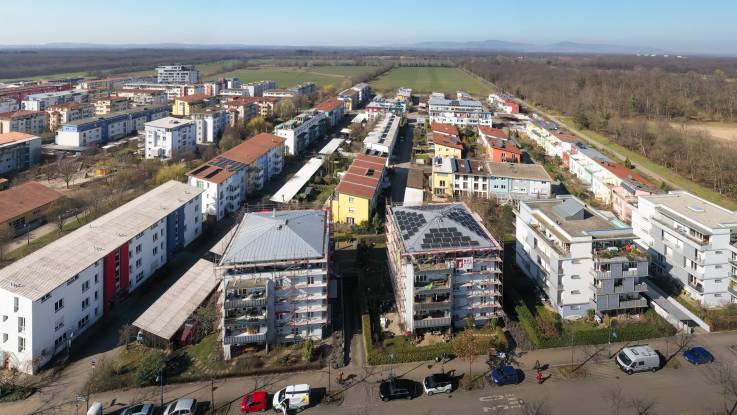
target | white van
x=638, y=359
x=292, y=398
x=95, y=409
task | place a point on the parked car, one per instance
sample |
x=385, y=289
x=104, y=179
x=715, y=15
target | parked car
x=292, y=398
x=505, y=375
x=95, y=409
x=140, y=409
x=182, y=407
x=438, y=383
x=698, y=356
x=396, y=388
x=638, y=359
x=255, y=401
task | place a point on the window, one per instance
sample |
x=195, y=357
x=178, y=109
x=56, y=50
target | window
x=59, y=305
x=21, y=345
x=351, y=199
x=156, y=237
x=95, y=278
x=575, y=277
x=5, y=337
x=85, y=303
x=575, y=307
x=139, y=248
x=71, y=280
x=95, y=295
x=139, y=277
x=717, y=281
x=83, y=321
x=59, y=324
x=45, y=297
x=310, y=280
x=139, y=262
x=85, y=286
x=15, y=304
x=575, y=292
x=21, y=325
x=156, y=250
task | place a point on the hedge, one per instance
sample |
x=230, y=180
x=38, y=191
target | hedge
x=651, y=328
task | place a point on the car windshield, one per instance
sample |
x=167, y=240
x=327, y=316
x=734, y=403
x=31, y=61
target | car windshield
x=281, y=395
x=625, y=360
x=136, y=409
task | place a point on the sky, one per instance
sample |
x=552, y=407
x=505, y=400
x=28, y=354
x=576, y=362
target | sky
x=674, y=25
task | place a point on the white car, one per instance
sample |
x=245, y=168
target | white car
x=182, y=407
x=140, y=409
x=438, y=383
x=292, y=398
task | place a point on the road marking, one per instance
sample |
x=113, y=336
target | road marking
x=503, y=402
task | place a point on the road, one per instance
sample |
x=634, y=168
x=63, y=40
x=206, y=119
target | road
x=402, y=159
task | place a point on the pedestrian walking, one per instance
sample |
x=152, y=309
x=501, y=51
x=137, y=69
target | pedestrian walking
x=537, y=365
x=339, y=377
x=539, y=377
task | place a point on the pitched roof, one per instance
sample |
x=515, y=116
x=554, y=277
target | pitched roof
x=21, y=113
x=506, y=146
x=624, y=173
x=14, y=136
x=447, y=141
x=494, y=132
x=359, y=180
x=277, y=236
x=253, y=148
x=329, y=105
x=211, y=173
x=442, y=128
x=565, y=136
x=25, y=198
x=193, y=98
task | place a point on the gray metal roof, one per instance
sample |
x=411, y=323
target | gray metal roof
x=40, y=272
x=170, y=311
x=277, y=236
x=440, y=227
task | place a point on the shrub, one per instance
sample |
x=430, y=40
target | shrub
x=150, y=366
x=308, y=350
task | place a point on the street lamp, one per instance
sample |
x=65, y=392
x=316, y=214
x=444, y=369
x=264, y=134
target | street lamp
x=160, y=381
x=612, y=334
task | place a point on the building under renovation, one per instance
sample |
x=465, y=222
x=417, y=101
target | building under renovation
x=445, y=267
x=276, y=272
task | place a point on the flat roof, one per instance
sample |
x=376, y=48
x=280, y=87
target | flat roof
x=298, y=181
x=129, y=111
x=71, y=254
x=331, y=146
x=170, y=311
x=440, y=227
x=577, y=218
x=169, y=122
x=280, y=235
x=695, y=209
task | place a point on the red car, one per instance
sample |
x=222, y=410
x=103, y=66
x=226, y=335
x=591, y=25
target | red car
x=254, y=402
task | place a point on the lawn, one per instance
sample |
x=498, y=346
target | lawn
x=676, y=179
x=424, y=80
x=288, y=76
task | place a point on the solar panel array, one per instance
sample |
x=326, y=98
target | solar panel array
x=409, y=222
x=465, y=219
x=450, y=237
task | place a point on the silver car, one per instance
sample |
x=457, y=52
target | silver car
x=438, y=383
x=140, y=409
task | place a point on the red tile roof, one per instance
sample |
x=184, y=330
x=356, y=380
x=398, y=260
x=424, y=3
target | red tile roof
x=25, y=198
x=193, y=98
x=211, y=173
x=565, y=136
x=447, y=129
x=507, y=146
x=494, y=132
x=21, y=113
x=447, y=141
x=624, y=173
x=250, y=150
x=329, y=105
x=357, y=181
x=14, y=136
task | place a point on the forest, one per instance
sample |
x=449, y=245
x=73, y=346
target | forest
x=634, y=100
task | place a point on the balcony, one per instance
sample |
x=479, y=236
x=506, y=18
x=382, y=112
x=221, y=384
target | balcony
x=619, y=289
x=427, y=323
x=246, y=318
x=258, y=338
x=639, y=303
x=607, y=275
x=246, y=301
x=438, y=287
x=619, y=254
x=429, y=305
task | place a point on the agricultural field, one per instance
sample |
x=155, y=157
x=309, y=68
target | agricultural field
x=288, y=76
x=726, y=131
x=424, y=80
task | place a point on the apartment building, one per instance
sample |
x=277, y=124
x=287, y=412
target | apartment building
x=334, y=111
x=452, y=177
x=691, y=240
x=276, y=272
x=445, y=140
x=382, y=139
x=359, y=191
x=581, y=259
x=257, y=89
x=457, y=112
x=626, y=195
x=39, y=102
x=248, y=108
x=18, y=152
x=504, y=103
x=497, y=143
x=210, y=124
x=63, y=113
x=302, y=130
x=24, y=207
x=144, y=97
x=404, y=94
x=177, y=74
x=101, y=129
x=111, y=104
x=445, y=267
x=364, y=91
x=380, y=106
x=349, y=98
x=183, y=106
x=170, y=138
x=172, y=91
x=8, y=105
x=23, y=121
x=89, y=270
x=230, y=177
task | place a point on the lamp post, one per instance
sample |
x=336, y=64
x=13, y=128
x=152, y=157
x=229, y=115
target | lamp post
x=612, y=334
x=160, y=380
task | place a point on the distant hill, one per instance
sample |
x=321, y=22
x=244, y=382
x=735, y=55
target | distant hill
x=560, y=47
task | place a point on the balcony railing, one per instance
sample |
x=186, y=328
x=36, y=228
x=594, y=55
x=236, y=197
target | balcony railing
x=640, y=302
x=258, y=338
x=432, y=305
x=235, y=302
x=436, y=287
x=607, y=275
x=620, y=289
x=432, y=322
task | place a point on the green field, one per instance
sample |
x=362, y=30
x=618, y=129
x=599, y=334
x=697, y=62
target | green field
x=424, y=80
x=288, y=76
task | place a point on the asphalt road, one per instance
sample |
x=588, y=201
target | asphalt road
x=402, y=156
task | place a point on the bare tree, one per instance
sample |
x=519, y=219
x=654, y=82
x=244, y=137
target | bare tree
x=725, y=377
x=642, y=406
x=676, y=344
x=66, y=168
x=537, y=407
x=592, y=354
x=7, y=234
x=466, y=347
x=621, y=404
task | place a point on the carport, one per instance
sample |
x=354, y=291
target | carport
x=167, y=315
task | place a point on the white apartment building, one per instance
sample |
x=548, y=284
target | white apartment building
x=172, y=90
x=144, y=97
x=39, y=102
x=18, y=151
x=581, y=259
x=49, y=297
x=457, y=112
x=691, y=240
x=210, y=125
x=444, y=265
x=384, y=136
x=301, y=130
x=64, y=113
x=8, y=105
x=23, y=121
x=257, y=89
x=168, y=138
x=104, y=128
x=177, y=74
x=276, y=273
x=230, y=177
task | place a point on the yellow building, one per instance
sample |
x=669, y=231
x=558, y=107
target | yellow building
x=445, y=141
x=358, y=192
x=442, y=183
x=183, y=106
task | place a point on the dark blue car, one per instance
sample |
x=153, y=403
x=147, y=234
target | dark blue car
x=505, y=375
x=698, y=356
